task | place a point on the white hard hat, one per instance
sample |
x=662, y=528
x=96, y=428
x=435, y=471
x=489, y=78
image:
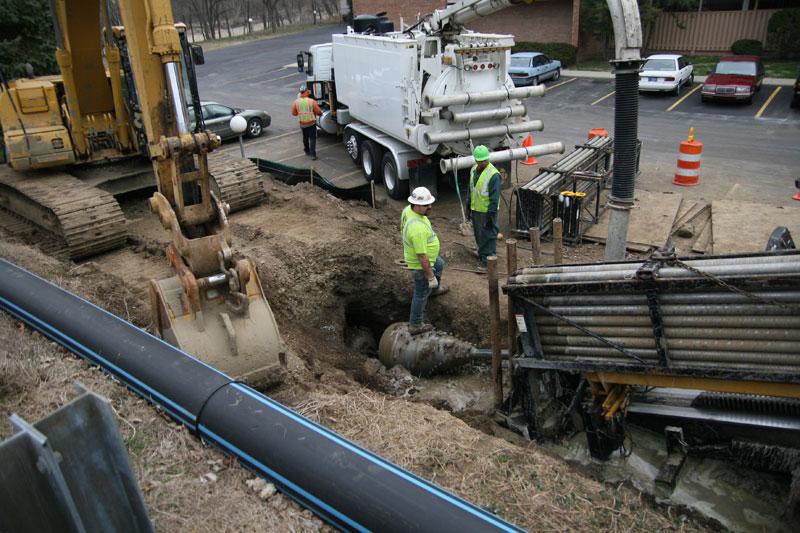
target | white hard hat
x=421, y=196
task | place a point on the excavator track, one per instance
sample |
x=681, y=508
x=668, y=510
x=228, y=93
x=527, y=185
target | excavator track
x=86, y=219
x=239, y=181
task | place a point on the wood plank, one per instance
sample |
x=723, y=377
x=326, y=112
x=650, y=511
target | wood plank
x=703, y=242
x=742, y=226
x=650, y=224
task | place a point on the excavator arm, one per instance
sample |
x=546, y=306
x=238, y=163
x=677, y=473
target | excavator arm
x=213, y=307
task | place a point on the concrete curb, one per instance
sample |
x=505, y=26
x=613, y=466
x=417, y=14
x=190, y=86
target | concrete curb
x=599, y=75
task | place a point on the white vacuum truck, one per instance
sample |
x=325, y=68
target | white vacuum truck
x=412, y=104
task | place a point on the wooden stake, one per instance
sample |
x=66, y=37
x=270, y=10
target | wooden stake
x=511, y=266
x=558, y=246
x=494, y=313
x=535, y=246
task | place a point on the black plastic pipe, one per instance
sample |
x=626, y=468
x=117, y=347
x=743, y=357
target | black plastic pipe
x=343, y=483
x=626, y=131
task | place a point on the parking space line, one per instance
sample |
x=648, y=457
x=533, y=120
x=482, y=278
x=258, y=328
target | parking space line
x=254, y=76
x=771, y=97
x=603, y=98
x=685, y=96
x=302, y=154
x=276, y=79
x=337, y=178
x=228, y=149
x=560, y=84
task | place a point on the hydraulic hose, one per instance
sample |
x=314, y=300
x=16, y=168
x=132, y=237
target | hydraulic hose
x=345, y=484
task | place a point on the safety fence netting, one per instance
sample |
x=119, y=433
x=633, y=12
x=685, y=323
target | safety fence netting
x=293, y=175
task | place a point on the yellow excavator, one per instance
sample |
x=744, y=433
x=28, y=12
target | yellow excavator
x=117, y=119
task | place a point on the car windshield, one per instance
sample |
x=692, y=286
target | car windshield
x=659, y=64
x=520, y=61
x=736, y=67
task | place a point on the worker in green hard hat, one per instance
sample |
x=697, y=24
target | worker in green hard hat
x=482, y=203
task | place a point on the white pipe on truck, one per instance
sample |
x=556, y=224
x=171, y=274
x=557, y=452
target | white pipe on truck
x=460, y=117
x=466, y=11
x=482, y=97
x=447, y=165
x=477, y=133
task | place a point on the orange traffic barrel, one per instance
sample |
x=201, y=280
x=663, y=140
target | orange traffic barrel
x=688, y=171
x=597, y=132
x=531, y=160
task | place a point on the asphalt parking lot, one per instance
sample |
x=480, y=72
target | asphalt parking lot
x=752, y=146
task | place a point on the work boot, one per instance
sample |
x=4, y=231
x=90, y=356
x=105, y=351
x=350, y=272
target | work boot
x=313, y=158
x=480, y=269
x=438, y=291
x=421, y=328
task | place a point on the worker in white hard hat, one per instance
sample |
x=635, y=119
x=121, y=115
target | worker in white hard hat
x=307, y=110
x=421, y=252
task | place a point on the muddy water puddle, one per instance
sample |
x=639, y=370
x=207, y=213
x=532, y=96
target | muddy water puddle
x=741, y=499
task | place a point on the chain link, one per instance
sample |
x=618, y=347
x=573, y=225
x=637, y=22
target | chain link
x=678, y=262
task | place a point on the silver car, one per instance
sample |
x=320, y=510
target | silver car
x=217, y=118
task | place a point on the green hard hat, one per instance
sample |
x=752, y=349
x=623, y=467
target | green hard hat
x=481, y=153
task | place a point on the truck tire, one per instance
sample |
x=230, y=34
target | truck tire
x=370, y=156
x=352, y=141
x=396, y=188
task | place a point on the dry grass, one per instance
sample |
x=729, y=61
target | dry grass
x=523, y=486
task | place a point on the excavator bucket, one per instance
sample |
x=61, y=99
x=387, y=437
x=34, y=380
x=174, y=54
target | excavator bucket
x=238, y=338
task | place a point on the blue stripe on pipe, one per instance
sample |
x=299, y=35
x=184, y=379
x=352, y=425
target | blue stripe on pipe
x=114, y=317
x=76, y=347
x=213, y=437
x=370, y=456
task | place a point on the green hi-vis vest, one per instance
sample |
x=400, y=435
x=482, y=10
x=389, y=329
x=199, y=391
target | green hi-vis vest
x=304, y=111
x=431, y=245
x=479, y=191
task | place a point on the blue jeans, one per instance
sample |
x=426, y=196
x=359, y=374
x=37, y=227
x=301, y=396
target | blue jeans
x=310, y=139
x=421, y=291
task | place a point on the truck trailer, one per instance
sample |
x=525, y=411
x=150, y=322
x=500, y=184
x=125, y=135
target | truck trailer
x=411, y=105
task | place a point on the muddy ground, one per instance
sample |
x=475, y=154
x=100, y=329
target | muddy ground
x=328, y=270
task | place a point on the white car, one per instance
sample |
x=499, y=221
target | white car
x=665, y=73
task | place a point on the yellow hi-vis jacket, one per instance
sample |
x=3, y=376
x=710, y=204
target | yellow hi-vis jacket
x=479, y=188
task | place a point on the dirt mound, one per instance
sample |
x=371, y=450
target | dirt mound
x=329, y=272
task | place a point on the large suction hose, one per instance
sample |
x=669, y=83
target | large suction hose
x=349, y=486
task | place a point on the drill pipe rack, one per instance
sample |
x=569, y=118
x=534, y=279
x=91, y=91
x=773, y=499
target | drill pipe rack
x=728, y=323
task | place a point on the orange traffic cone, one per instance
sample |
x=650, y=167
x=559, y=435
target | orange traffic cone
x=530, y=160
x=797, y=186
x=688, y=172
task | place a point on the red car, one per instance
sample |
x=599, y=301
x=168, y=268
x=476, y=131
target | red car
x=734, y=79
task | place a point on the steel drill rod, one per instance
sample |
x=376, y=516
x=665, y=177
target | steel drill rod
x=719, y=297
x=681, y=333
x=569, y=163
x=603, y=362
x=707, y=321
x=700, y=357
x=700, y=264
x=632, y=343
x=667, y=310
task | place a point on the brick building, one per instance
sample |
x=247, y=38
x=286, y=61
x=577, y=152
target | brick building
x=552, y=21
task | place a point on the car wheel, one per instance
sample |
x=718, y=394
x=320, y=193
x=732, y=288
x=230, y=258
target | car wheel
x=369, y=159
x=557, y=74
x=677, y=90
x=749, y=101
x=535, y=80
x=352, y=141
x=254, y=128
x=395, y=188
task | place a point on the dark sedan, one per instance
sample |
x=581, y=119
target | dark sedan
x=734, y=79
x=217, y=118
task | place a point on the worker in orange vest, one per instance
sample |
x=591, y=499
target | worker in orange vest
x=306, y=110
